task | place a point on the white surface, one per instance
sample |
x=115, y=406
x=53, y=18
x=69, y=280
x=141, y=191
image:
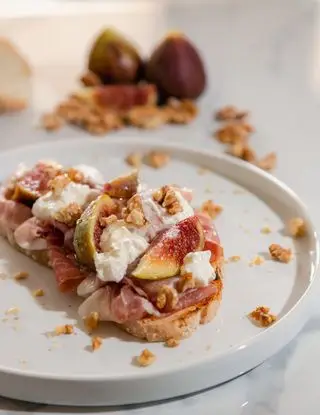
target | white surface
x=227, y=347
x=262, y=56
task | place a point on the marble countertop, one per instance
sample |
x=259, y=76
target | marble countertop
x=261, y=56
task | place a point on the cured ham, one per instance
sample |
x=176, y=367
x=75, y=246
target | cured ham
x=12, y=215
x=29, y=235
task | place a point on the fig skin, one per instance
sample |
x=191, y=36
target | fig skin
x=176, y=68
x=114, y=59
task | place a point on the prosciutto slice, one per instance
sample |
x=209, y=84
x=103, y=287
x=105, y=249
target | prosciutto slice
x=12, y=215
x=67, y=271
x=29, y=235
x=117, y=303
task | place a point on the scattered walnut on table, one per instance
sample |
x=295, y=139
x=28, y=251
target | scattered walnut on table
x=229, y=113
x=279, y=253
x=297, y=227
x=180, y=112
x=268, y=162
x=146, y=358
x=148, y=117
x=262, y=316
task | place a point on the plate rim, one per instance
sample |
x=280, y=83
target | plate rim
x=176, y=146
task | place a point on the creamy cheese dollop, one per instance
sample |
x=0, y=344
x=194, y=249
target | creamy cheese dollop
x=198, y=264
x=49, y=204
x=91, y=174
x=120, y=246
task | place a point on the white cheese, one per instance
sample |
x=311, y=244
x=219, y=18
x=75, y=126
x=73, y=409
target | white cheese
x=120, y=246
x=198, y=264
x=91, y=174
x=49, y=204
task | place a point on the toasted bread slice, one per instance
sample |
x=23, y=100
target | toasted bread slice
x=15, y=79
x=179, y=325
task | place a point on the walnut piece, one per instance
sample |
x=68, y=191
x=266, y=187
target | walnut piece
x=91, y=321
x=233, y=133
x=257, y=260
x=75, y=175
x=297, y=227
x=58, y=183
x=69, y=214
x=52, y=122
x=134, y=160
x=146, y=358
x=167, y=198
x=65, y=329
x=90, y=79
x=148, y=117
x=106, y=221
x=22, y=275
x=268, y=162
x=38, y=293
x=279, y=253
x=262, y=316
x=157, y=159
x=133, y=212
x=234, y=258
x=167, y=297
x=229, y=113
x=211, y=209
x=172, y=342
x=96, y=343
x=180, y=112
x=185, y=282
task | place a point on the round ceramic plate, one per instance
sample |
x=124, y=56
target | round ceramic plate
x=38, y=366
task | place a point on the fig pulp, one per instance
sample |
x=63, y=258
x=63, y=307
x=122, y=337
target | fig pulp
x=114, y=59
x=176, y=68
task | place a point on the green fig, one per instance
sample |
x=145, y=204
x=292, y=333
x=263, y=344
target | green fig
x=114, y=59
x=176, y=68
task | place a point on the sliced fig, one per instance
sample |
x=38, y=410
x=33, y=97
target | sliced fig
x=165, y=255
x=88, y=229
x=35, y=182
x=123, y=187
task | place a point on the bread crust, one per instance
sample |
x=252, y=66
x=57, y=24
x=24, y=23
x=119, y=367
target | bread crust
x=179, y=325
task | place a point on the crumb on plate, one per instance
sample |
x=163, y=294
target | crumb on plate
x=257, y=260
x=146, y=358
x=279, y=253
x=268, y=162
x=265, y=230
x=12, y=310
x=157, y=159
x=211, y=209
x=96, y=343
x=262, y=316
x=22, y=275
x=91, y=321
x=172, y=342
x=65, y=329
x=38, y=293
x=297, y=227
x=234, y=258
x=134, y=160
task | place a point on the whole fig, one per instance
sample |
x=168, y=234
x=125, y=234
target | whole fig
x=176, y=68
x=114, y=59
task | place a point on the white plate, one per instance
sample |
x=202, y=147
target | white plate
x=63, y=370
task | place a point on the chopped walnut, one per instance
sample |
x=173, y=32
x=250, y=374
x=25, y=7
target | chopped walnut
x=185, y=282
x=96, y=343
x=234, y=258
x=69, y=214
x=22, y=275
x=167, y=198
x=257, y=260
x=106, y=221
x=91, y=321
x=230, y=113
x=172, y=342
x=262, y=316
x=266, y=230
x=157, y=159
x=58, y=183
x=38, y=293
x=279, y=253
x=297, y=227
x=51, y=122
x=146, y=358
x=133, y=213
x=232, y=133
x=167, y=297
x=66, y=329
x=268, y=162
x=180, y=112
x=90, y=79
x=134, y=160
x=75, y=175
x=211, y=209
x=242, y=151
x=148, y=117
